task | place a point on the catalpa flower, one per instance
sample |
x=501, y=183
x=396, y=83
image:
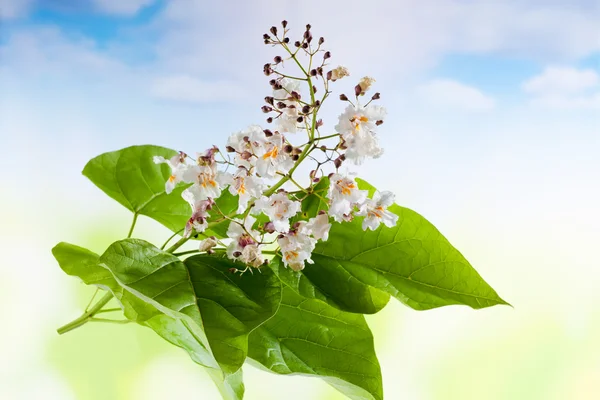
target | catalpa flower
x=198, y=221
x=180, y=171
x=247, y=187
x=271, y=158
x=297, y=247
x=344, y=195
x=244, y=246
x=375, y=211
x=279, y=208
x=357, y=127
x=208, y=183
x=243, y=143
x=319, y=226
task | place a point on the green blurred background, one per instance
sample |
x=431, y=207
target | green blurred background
x=508, y=170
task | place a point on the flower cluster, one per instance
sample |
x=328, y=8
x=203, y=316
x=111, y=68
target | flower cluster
x=259, y=163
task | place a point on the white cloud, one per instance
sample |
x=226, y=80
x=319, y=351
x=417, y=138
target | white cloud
x=121, y=7
x=562, y=80
x=14, y=8
x=188, y=89
x=564, y=88
x=446, y=93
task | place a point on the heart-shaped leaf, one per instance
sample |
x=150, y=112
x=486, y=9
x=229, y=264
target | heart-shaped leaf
x=223, y=307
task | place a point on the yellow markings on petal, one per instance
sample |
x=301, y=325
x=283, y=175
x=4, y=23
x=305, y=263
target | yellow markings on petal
x=289, y=255
x=172, y=178
x=345, y=186
x=376, y=212
x=271, y=153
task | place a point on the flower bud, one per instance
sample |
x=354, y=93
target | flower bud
x=317, y=103
x=277, y=59
x=274, y=30
x=306, y=109
x=308, y=26
x=236, y=254
x=269, y=100
x=343, y=157
x=329, y=75
x=327, y=55
x=272, y=82
x=337, y=162
x=266, y=109
x=246, y=155
x=284, y=23
x=379, y=122
x=233, y=270
x=297, y=150
x=321, y=40
x=343, y=97
x=357, y=90
x=305, y=45
x=267, y=69
x=288, y=148
x=269, y=120
x=266, y=36
x=376, y=96
x=295, y=95
x=313, y=72
x=314, y=89
x=300, y=119
x=230, y=149
x=268, y=132
x=323, y=148
x=281, y=104
x=286, y=40
x=319, y=123
x=297, y=43
x=295, y=157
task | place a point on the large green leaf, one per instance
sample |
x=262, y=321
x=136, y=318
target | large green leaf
x=309, y=337
x=223, y=307
x=333, y=285
x=131, y=177
x=84, y=264
x=412, y=261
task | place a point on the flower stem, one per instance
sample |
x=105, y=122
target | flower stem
x=87, y=316
x=135, y=215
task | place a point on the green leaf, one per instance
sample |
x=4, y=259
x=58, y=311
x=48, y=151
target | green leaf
x=223, y=307
x=332, y=285
x=131, y=177
x=80, y=262
x=315, y=201
x=309, y=337
x=84, y=264
x=412, y=261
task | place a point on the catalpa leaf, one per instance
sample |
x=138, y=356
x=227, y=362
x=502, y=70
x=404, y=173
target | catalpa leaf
x=131, y=177
x=84, y=264
x=202, y=292
x=412, y=261
x=309, y=337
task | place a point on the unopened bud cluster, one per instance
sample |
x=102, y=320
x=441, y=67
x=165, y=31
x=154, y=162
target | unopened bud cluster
x=259, y=163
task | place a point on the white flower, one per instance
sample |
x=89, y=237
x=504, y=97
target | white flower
x=297, y=247
x=344, y=195
x=180, y=171
x=208, y=183
x=239, y=229
x=339, y=73
x=247, y=187
x=279, y=208
x=207, y=244
x=243, y=143
x=357, y=127
x=198, y=221
x=365, y=84
x=271, y=158
x=287, y=121
x=375, y=211
x=244, y=246
x=319, y=226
